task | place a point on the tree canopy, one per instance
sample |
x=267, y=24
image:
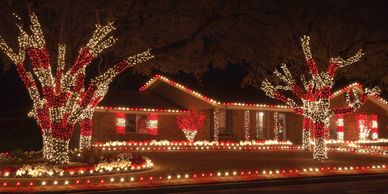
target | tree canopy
x=193, y=36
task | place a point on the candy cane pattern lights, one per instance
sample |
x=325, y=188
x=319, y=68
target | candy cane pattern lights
x=121, y=123
x=315, y=94
x=374, y=127
x=152, y=124
x=61, y=99
x=340, y=127
x=363, y=127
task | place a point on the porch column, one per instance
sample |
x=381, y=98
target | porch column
x=216, y=126
x=246, y=125
x=276, y=126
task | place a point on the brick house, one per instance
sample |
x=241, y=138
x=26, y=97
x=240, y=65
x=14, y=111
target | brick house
x=130, y=115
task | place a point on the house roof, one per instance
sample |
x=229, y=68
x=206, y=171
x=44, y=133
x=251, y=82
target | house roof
x=253, y=105
x=155, y=95
x=133, y=100
x=375, y=99
x=215, y=103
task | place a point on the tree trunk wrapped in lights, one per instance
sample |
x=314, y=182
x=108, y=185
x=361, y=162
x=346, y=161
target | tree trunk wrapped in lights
x=314, y=95
x=306, y=134
x=86, y=130
x=62, y=99
x=190, y=124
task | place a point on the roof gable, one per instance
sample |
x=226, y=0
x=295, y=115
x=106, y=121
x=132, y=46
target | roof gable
x=375, y=99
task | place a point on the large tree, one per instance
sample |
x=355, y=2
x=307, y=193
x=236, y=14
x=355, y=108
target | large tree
x=138, y=36
x=60, y=100
x=313, y=98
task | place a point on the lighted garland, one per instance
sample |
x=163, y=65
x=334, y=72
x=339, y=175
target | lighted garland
x=64, y=98
x=246, y=125
x=276, y=126
x=315, y=93
x=216, y=125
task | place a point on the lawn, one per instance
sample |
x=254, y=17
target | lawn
x=193, y=162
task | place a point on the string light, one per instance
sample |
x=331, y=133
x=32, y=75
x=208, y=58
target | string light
x=207, y=177
x=276, y=126
x=216, y=125
x=246, y=125
x=316, y=93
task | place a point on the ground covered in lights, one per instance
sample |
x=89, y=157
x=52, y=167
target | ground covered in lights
x=196, y=167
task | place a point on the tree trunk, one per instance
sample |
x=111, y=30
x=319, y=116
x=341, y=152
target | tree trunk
x=61, y=134
x=60, y=154
x=86, y=127
x=306, y=134
x=47, y=145
x=320, y=151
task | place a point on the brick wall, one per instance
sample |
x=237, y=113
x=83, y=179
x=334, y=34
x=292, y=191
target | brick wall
x=104, y=129
x=293, y=126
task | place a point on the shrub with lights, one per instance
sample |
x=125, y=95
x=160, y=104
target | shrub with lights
x=86, y=163
x=190, y=123
x=314, y=95
x=62, y=99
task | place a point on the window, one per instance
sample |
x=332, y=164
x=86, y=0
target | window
x=136, y=123
x=367, y=126
x=259, y=125
x=225, y=118
x=130, y=123
x=282, y=126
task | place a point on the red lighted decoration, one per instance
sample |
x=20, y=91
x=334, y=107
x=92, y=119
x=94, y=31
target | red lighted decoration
x=120, y=123
x=374, y=126
x=191, y=123
x=152, y=124
x=340, y=127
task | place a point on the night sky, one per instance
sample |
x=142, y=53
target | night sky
x=223, y=49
